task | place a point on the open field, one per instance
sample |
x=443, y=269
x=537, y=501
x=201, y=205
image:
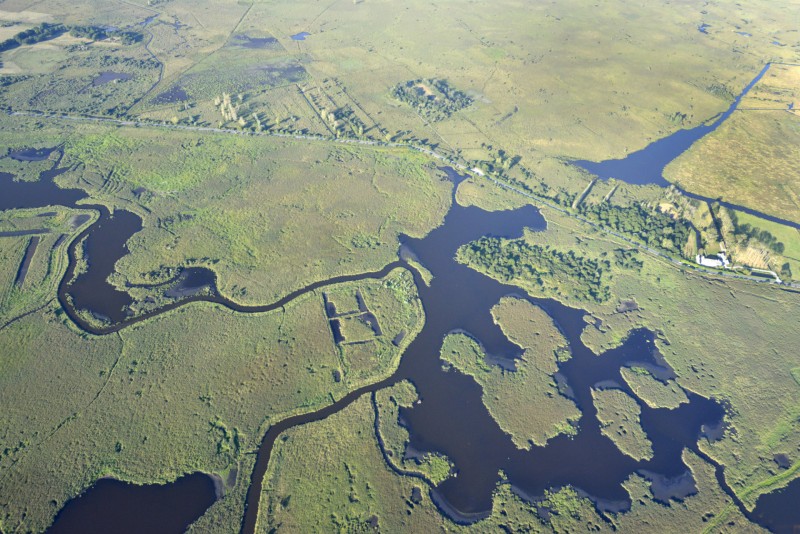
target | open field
x=618, y=414
x=190, y=390
x=515, y=89
x=748, y=160
x=525, y=403
x=268, y=215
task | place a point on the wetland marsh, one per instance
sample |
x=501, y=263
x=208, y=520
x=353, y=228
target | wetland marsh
x=283, y=268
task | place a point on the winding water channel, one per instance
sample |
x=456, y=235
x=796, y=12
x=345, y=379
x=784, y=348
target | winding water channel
x=452, y=418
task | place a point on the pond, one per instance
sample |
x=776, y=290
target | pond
x=114, y=506
x=108, y=76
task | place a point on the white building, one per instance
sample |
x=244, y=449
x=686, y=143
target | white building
x=718, y=260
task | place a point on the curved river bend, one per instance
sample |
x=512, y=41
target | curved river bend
x=452, y=419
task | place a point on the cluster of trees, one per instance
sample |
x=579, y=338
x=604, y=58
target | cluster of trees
x=434, y=99
x=109, y=60
x=550, y=270
x=37, y=34
x=97, y=33
x=47, y=31
x=650, y=226
x=744, y=233
x=127, y=37
x=628, y=258
x=342, y=120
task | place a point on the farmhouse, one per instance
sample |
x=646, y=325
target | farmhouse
x=717, y=260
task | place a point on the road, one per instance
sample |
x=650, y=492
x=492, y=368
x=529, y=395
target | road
x=541, y=201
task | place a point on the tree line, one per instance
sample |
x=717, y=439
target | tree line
x=47, y=31
x=551, y=270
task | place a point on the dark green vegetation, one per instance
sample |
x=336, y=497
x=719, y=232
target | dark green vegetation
x=45, y=32
x=747, y=233
x=554, y=272
x=42, y=32
x=651, y=227
x=433, y=99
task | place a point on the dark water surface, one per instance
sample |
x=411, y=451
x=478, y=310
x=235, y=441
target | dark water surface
x=451, y=419
x=108, y=76
x=31, y=154
x=246, y=41
x=646, y=166
x=119, y=507
x=779, y=511
x=300, y=36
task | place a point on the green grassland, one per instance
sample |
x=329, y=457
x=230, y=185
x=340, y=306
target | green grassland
x=330, y=476
x=193, y=389
x=747, y=325
x=525, y=403
x=515, y=69
x=434, y=467
x=548, y=83
x=268, y=215
x=654, y=392
x=49, y=262
x=618, y=414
